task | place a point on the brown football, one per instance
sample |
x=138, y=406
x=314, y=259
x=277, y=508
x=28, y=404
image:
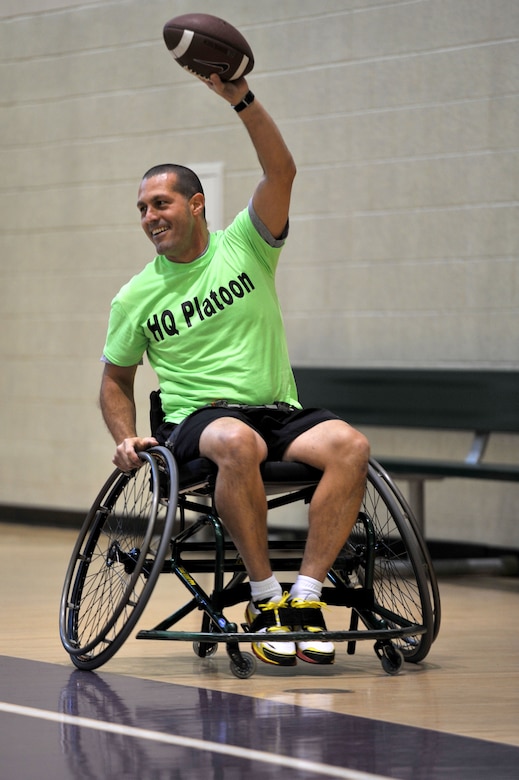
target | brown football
x=205, y=44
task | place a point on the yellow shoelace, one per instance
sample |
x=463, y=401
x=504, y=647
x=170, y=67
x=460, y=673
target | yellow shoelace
x=298, y=603
x=275, y=605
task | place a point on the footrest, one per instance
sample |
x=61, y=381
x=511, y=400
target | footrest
x=290, y=636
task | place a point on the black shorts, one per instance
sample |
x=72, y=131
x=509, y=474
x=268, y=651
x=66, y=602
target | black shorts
x=278, y=428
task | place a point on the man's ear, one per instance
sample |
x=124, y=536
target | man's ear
x=197, y=204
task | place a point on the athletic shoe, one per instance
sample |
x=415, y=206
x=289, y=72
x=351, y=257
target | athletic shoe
x=264, y=618
x=311, y=620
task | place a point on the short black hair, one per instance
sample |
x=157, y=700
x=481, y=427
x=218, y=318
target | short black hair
x=187, y=183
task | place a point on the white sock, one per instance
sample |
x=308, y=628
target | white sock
x=266, y=590
x=306, y=588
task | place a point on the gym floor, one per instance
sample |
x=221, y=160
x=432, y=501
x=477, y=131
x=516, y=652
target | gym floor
x=156, y=710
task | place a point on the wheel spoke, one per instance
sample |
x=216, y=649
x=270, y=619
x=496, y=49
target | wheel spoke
x=114, y=568
x=401, y=592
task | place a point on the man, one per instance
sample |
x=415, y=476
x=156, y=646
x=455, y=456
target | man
x=206, y=312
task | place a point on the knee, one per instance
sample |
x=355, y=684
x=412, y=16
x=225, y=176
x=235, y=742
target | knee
x=237, y=446
x=352, y=448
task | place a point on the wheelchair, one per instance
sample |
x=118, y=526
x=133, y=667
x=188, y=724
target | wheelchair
x=162, y=519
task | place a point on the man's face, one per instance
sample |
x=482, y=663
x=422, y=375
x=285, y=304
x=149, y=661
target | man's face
x=167, y=217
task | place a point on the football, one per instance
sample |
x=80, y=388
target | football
x=205, y=44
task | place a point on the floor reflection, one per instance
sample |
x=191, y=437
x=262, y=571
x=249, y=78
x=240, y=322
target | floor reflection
x=212, y=735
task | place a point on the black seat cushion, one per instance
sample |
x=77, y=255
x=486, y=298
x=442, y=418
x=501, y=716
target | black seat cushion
x=199, y=475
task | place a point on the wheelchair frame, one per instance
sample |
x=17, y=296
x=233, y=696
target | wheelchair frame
x=138, y=528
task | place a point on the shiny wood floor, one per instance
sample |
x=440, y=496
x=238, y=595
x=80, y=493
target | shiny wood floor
x=468, y=685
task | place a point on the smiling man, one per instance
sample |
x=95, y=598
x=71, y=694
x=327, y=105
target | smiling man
x=170, y=200
x=206, y=312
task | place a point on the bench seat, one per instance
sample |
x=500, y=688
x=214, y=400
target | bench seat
x=480, y=402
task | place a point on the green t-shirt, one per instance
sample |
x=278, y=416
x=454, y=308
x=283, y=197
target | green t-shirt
x=212, y=329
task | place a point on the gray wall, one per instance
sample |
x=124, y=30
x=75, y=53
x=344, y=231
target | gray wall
x=403, y=119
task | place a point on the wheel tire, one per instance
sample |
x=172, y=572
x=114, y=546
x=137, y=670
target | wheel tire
x=392, y=660
x=429, y=566
x=245, y=670
x=401, y=589
x=204, y=649
x=117, y=559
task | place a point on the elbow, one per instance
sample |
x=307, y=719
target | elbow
x=286, y=173
x=284, y=170
x=291, y=169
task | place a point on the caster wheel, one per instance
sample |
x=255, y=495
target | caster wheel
x=392, y=660
x=204, y=649
x=246, y=668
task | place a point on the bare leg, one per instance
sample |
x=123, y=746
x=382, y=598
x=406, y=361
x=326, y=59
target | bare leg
x=241, y=502
x=240, y=497
x=342, y=454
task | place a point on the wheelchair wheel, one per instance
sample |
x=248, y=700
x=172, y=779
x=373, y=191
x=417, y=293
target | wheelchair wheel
x=429, y=567
x=385, y=554
x=117, y=559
